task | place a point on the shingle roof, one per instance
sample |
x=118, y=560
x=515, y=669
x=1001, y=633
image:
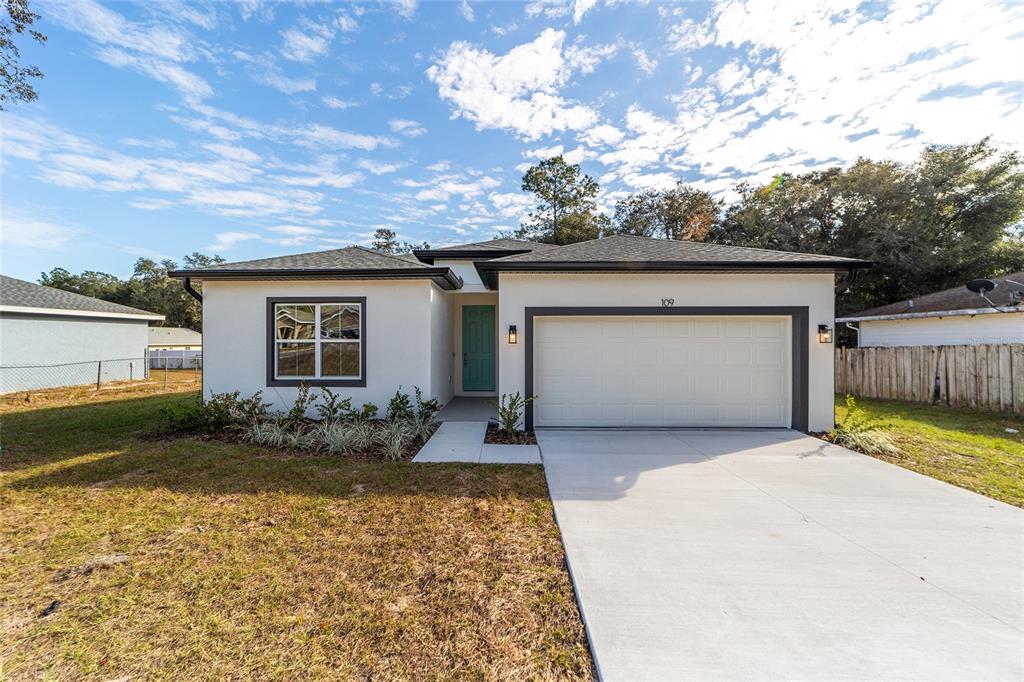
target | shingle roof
x=174, y=336
x=956, y=298
x=499, y=245
x=18, y=293
x=351, y=262
x=348, y=258
x=631, y=249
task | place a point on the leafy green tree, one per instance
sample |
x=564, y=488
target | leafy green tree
x=951, y=216
x=566, y=210
x=682, y=212
x=149, y=288
x=14, y=78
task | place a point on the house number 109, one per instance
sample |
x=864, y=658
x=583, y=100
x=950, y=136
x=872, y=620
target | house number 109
x=668, y=302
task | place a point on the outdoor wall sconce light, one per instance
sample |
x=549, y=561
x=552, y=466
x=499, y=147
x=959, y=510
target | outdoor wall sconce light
x=824, y=333
x=513, y=335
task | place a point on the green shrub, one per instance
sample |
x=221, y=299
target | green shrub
x=333, y=407
x=426, y=409
x=857, y=431
x=367, y=412
x=220, y=412
x=304, y=398
x=510, y=411
x=400, y=407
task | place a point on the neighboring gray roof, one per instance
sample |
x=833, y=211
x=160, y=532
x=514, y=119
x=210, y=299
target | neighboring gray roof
x=956, y=298
x=499, y=245
x=348, y=258
x=631, y=249
x=17, y=293
x=174, y=336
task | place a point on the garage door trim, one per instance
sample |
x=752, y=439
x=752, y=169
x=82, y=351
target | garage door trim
x=798, y=317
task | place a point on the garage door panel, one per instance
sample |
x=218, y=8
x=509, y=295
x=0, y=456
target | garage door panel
x=690, y=371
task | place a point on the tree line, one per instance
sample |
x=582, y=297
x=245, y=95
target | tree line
x=149, y=288
x=951, y=215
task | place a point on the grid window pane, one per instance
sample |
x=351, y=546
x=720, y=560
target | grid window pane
x=296, y=359
x=339, y=321
x=295, y=321
x=339, y=359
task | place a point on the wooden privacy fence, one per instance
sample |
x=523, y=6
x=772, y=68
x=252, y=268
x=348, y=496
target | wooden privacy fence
x=987, y=377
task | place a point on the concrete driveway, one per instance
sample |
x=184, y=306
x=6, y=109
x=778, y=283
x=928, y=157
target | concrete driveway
x=769, y=555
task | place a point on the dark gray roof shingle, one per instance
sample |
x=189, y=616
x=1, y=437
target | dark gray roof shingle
x=22, y=294
x=631, y=249
x=956, y=298
x=348, y=258
x=499, y=245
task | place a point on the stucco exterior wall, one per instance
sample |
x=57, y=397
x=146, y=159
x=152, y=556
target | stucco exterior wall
x=398, y=336
x=465, y=269
x=75, y=343
x=939, y=331
x=815, y=291
x=442, y=376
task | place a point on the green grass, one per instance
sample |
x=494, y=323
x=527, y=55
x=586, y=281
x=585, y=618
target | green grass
x=245, y=562
x=966, y=448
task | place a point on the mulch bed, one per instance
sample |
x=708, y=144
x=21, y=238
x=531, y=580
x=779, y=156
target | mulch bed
x=495, y=436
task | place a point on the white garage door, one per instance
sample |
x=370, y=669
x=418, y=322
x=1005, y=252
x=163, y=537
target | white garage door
x=662, y=371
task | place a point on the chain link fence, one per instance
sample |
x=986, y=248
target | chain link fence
x=15, y=378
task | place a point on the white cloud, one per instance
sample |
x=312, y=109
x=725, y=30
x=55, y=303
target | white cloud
x=322, y=137
x=405, y=8
x=335, y=103
x=232, y=152
x=466, y=11
x=307, y=41
x=378, y=168
x=602, y=135
x=516, y=91
x=646, y=63
x=346, y=23
x=225, y=241
x=439, y=166
x=152, y=204
x=442, y=189
x=17, y=231
x=288, y=86
x=581, y=7
x=552, y=9
x=586, y=58
x=326, y=179
x=406, y=127
x=187, y=83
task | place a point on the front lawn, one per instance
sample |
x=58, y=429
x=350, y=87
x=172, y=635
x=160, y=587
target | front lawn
x=966, y=448
x=220, y=560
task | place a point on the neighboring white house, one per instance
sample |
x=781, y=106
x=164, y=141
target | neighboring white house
x=174, y=338
x=621, y=331
x=951, y=317
x=50, y=337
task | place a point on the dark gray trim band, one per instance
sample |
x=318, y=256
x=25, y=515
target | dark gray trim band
x=353, y=383
x=430, y=255
x=488, y=270
x=799, y=324
x=442, y=277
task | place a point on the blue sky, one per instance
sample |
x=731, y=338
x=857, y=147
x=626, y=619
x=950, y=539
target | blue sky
x=251, y=129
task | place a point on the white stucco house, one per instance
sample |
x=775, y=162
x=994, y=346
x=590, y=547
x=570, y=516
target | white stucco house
x=175, y=339
x=620, y=331
x=952, y=317
x=50, y=338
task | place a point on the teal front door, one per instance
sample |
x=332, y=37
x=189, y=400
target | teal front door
x=478, y=351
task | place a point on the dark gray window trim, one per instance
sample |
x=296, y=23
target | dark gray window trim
x=353, y=383
x=798, y=314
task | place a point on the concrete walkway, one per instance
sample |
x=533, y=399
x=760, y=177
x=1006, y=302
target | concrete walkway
x=463, y=441
x=746, y=555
